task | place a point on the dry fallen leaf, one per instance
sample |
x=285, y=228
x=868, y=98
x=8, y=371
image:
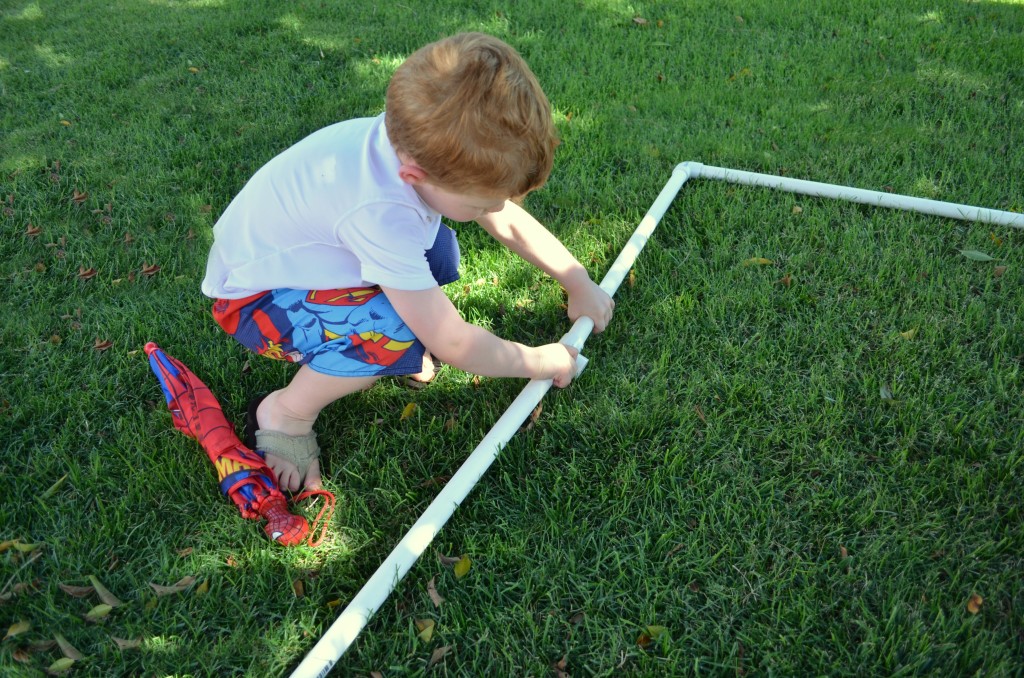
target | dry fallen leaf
x=126, y=643
x=651, y=634
x=974, y=603
x=105, y=595
x=534, y=416
x=203, y=588
x=425, y=628
x=62, y=665
x=98, y=613
x=149, y=269
x=700, y=413
x=785, y=280
x=909, y=334
x=18, y=589
x=20, y=546
x=759, y=261
x=66, y=123
x=435, y=597
x=86, y=273
x=639, y=21
x=41, y=645
x=102, y=344
x=177, y=587
x=998, y=271
x=185, y=552
x=67, y=648
x=298, y=588
x=331, y=604
x=17, y=628
x=438, y=655
x=631, y=281
x=797, y=209
x=78, y=198
x=77, y=591
x=407, y=411
x=33, y=231
x=843, y=553
x=447, y=561
x=461, y=568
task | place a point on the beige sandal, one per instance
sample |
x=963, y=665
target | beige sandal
x=299, y=450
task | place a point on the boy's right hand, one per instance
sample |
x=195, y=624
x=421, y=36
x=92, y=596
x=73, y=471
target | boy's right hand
x=558, y=363
x=436, y=322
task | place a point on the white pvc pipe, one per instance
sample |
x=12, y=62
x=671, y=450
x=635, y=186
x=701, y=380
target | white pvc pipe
x=876, y=198
x=354, y=617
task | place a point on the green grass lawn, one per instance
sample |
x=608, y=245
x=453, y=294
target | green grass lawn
x=804, y=467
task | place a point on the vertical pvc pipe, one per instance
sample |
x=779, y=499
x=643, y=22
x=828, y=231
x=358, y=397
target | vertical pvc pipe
x=378, y=587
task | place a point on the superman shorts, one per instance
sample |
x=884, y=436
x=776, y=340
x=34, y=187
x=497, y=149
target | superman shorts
x=352, y=332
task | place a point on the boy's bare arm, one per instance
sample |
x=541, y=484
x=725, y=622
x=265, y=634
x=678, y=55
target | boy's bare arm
x=437, y=324
x=516, y=228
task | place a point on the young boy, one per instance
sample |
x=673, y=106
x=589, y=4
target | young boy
x=332, y=255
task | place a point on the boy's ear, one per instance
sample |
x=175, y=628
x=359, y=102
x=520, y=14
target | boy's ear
x=411, y=173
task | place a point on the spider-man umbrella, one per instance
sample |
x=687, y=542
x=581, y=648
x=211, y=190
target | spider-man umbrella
x=243, y=474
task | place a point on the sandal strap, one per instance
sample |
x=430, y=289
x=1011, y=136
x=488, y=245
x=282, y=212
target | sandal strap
x=299, y=450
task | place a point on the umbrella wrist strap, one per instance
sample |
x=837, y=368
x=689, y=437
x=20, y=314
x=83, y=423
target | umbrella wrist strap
x=318, y=529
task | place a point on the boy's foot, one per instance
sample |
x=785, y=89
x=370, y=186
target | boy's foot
x=431, y=366
x=292, y=454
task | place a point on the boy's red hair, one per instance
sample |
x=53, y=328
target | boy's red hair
x=470, y=112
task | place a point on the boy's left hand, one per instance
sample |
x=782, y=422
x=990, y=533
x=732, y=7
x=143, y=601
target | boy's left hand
x=588, y=299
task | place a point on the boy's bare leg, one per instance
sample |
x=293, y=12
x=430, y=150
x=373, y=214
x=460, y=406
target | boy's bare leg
x=292, y=411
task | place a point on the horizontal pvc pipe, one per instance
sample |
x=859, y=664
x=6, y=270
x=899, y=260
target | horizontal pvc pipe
x=354, y=617
x=859, y=195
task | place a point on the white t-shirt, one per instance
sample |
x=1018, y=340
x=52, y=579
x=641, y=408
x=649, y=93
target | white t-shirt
x=329, y=212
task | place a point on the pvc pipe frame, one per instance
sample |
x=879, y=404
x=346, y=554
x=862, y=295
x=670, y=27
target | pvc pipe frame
x=355, y=616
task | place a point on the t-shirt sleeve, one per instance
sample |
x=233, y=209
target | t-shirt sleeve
x=390, y=241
